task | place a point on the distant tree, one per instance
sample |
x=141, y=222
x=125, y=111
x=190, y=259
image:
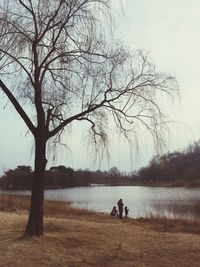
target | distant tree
x=54, y=56
x=177, y=166
x=114, y=171
x=62, y=168
x=60, y=176
x=19, y=178
x=24, y=168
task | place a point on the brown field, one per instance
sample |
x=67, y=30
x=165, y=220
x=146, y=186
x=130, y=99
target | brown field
x=79, y=238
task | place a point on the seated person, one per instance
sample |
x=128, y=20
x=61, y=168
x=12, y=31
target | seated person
x=114, y=212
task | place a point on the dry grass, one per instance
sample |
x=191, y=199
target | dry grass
x=78, y=238
x=51, y=208
x=14, y=203
x=175, y=225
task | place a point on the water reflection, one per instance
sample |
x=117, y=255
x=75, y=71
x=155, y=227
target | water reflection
x=142, y=201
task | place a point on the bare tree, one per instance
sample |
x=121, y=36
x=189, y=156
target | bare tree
x=57, y=68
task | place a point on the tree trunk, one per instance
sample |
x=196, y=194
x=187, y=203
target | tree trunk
x=35, y=222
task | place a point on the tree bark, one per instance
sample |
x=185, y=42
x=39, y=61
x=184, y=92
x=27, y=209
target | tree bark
x=35, y=222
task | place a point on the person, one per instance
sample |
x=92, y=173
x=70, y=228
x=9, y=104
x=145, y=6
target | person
x=126, y=211
x=114, y=212
x=120, y=205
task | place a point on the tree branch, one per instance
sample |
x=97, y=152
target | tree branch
x=18, y=107
x=75, y=117
x=18, y=62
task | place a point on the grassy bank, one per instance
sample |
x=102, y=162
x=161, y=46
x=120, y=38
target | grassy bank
x=75, y=237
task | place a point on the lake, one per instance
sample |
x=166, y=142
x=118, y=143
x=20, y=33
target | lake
x=142, y=201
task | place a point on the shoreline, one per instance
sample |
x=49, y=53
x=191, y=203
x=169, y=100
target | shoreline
x=177, y=184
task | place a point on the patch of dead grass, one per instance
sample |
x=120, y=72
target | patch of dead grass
x=172, y=225
x=12, y=203
x=78, y=239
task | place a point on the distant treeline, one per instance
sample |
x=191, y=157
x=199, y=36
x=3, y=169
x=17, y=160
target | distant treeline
x=172, y=169
x=61, y=177
x=177, y=168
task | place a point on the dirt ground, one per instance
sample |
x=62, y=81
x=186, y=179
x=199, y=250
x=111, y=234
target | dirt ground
x=94, y=240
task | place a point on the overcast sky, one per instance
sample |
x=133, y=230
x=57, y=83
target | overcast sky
x=169, y=31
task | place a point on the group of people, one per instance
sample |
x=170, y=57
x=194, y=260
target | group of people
x=119, y=212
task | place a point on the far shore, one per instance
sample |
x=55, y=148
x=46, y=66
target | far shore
x=179, y=183
x=81, y=238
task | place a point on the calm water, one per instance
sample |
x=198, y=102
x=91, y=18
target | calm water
x=141, y=200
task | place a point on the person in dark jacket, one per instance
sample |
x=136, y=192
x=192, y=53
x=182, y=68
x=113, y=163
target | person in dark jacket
x=126, y=212
x=120, y=205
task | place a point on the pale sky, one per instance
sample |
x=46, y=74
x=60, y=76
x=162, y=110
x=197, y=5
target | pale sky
x=169, y=31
